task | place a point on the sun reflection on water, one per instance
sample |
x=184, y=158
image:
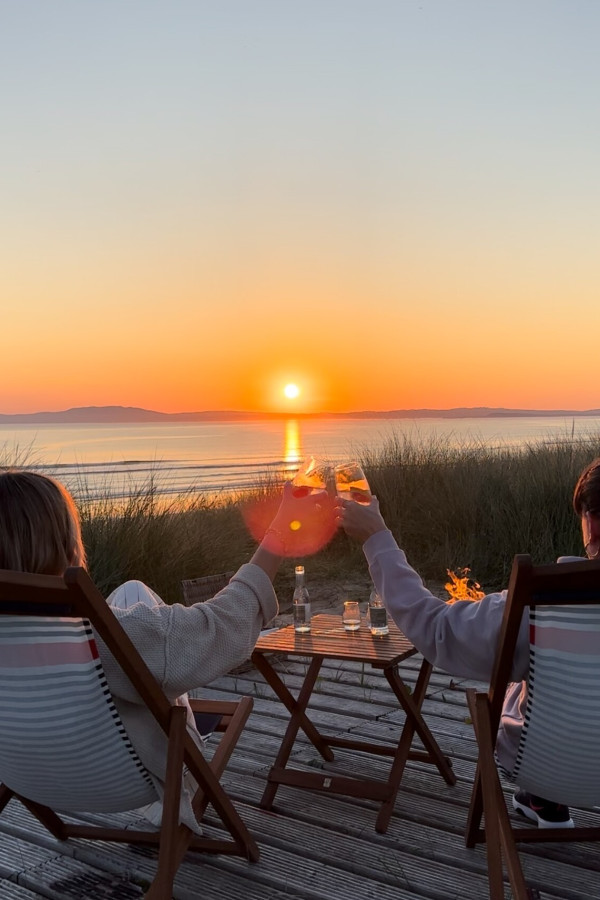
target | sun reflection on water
x=292, y=448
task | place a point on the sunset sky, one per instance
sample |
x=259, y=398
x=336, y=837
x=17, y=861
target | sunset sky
x=387, y=203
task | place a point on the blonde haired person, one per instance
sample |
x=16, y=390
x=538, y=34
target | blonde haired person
x=184, y=647
x=39, y=525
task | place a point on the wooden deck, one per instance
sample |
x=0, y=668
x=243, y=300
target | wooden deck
x=313, y=846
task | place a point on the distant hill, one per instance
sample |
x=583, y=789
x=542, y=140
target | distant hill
x=113, y=415
x=463, y=412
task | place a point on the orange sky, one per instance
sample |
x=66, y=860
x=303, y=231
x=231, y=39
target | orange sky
x=234, y=204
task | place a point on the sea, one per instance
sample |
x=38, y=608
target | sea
x=99, y=461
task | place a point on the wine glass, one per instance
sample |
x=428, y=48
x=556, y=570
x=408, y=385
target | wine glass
x=351, y=483
x=313, y=475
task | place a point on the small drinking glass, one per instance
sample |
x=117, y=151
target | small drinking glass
x=351, y=615
x=313, y=475
x=351, y=483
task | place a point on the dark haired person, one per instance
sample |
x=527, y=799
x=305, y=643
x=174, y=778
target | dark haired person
x=586, y=503
x=462, y=637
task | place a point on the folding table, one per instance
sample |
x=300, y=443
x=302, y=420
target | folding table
x=328, y=640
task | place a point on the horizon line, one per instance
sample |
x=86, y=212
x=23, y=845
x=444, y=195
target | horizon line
x=78, y=413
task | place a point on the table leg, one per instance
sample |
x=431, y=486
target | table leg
x=298, y=719
x=414, y=722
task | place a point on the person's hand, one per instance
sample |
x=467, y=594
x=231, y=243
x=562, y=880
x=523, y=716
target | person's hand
x=359, y=520
x=297, y=504
x=303, y=524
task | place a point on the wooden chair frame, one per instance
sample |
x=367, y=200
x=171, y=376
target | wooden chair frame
x=197, y=590
x=76, y=596
x=560, y=584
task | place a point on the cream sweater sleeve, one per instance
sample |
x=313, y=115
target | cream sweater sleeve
x=188, y=647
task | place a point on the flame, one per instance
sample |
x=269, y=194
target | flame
x=462, y=587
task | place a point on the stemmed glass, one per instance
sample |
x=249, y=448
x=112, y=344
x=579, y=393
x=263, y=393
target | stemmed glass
x=351, y=483
x=313, y=475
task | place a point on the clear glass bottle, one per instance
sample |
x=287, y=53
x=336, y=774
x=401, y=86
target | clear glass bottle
x=301, y=603
x=377, y=615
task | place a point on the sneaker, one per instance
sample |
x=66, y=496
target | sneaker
x=544, y=813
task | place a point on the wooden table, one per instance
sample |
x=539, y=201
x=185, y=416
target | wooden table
x=328, y=640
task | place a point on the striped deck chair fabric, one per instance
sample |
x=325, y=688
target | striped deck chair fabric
x=62, y=742
x=563, y=707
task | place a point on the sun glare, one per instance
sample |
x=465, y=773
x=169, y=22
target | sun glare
x=291, y=391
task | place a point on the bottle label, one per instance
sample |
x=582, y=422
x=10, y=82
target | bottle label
x=301, y=613
x=378, y=616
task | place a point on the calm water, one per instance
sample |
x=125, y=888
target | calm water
x=101, y=460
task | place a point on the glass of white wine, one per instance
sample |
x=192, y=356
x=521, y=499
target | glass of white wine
x=313, y=475
x=351, y=483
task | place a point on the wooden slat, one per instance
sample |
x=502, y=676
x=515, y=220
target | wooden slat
x=9, y=891
x=69, y=879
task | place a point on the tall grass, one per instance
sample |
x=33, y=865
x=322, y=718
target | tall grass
x=449, y=506
x=470, y=505
x=160, y=541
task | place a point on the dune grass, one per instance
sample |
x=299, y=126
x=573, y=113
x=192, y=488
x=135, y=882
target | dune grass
x=472, y=506
x=449, y=507
x=162, y=542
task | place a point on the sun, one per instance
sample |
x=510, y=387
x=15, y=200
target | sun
x=291, y=391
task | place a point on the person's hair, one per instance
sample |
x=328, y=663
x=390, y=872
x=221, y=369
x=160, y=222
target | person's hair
x=586, y=497
x=39, y=524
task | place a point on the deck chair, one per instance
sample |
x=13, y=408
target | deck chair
x=558, y=751
x=63, y=747
x=197, y=590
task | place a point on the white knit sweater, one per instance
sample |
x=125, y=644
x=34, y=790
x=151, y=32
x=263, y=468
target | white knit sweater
x=184, y=648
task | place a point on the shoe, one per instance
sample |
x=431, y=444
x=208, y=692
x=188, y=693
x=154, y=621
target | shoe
x=544, y=813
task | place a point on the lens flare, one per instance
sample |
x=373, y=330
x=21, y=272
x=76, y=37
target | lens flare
x=305, y=533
